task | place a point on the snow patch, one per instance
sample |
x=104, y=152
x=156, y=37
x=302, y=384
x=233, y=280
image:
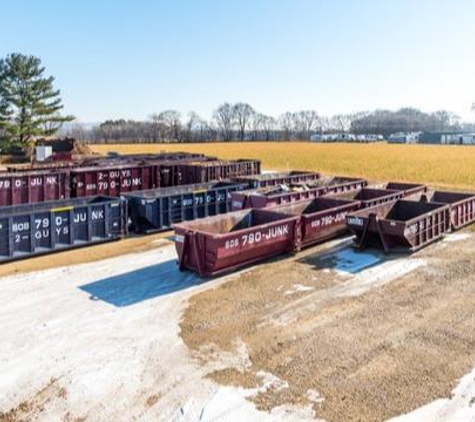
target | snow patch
x=380, y=274
x=314, y=396
x=298, y=288
x=271, y=382
x=456, y=237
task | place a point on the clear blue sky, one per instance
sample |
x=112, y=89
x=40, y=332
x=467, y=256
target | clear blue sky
x=128, y=59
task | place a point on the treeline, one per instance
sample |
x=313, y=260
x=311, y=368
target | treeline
x=241, y=122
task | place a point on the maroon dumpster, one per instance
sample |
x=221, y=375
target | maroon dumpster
x=462, y=206
x=345, y=184
x=272, y=179
x=322, y=218
x=369, y=197
x=112, y=180
x=32, y=187
x=208, y=171
x=224, y=243
x=407, y=188
x=284, y=194
x=400, y=226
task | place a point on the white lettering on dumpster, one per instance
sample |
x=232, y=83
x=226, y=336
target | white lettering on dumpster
x=328, y=220
x=355, y=221
x=257, y=237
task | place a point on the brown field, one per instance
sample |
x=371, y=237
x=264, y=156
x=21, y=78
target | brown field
x=444, y=166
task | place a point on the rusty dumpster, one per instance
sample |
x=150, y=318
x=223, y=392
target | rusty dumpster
x=369, y=197
x=322, y=218
x=462, y=206
x=281, y=178
x=215, y=245
x=400, y=226
x=288, y=194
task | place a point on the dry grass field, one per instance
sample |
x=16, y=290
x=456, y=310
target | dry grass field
x=444, y=166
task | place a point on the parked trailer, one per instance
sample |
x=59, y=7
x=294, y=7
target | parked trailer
x=159, y=209
x=407, y=188
x=208, y=171
x=462, y=206
x=322, y=218
x=227, y=242
x=281, y=195
x=401, y=226
x=35, y=229
x=285, y=178
x=33, y=187
x=369, y=197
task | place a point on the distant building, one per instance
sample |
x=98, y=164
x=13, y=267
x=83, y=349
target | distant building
x=345, y=137
x=447, y=138
x=404, y=138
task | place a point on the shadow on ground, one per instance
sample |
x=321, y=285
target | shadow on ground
x=346, y=260
x=142, y=284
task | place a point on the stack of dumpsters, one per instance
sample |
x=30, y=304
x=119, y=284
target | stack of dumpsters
x=56, y=206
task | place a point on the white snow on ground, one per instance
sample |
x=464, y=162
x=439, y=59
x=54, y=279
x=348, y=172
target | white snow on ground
x=108, y=332
x=298, y=288
x=460, y=407
x=368, y=269
x=378, y=275
x=456, y=237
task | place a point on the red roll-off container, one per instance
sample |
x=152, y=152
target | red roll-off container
x=224, y=243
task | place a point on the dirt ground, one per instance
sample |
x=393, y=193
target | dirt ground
x=366, y=342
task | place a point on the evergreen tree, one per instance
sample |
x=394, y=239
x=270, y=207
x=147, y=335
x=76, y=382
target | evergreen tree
x=29, y=105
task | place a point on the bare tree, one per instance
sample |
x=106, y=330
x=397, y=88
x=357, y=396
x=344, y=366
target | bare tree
x=243, y=113
x=170, y=121
x=286, y=126
x=196, y=128
x=225, y=119
x=341, y=122
x=306, y=122
x=256, y=125
x=269, y=126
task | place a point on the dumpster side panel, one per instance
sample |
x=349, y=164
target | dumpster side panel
x=159, y=209
x=407, y=188
x=271, y=179
x=111, y=181
x=218, y=170
x=211, y=254
x=23, y=188
x=33, y=230
x=325, y=225
x=462, y=213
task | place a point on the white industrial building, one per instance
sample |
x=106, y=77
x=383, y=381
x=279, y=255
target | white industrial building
x=404, y=138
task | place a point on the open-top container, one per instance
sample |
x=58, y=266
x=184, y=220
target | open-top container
x=401, y=225
x=407, y=188
x=369, y=197
x=288, y=194
x=272, y=179
x=33, y=229
x=462, y=206
x=214, y=245
x=158, y=209
x=322, y=218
